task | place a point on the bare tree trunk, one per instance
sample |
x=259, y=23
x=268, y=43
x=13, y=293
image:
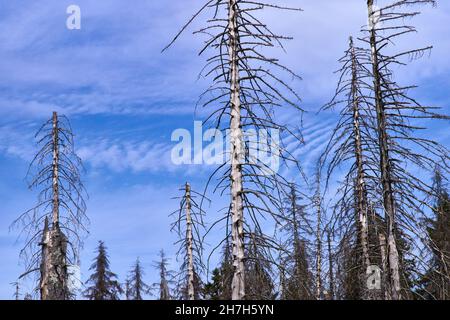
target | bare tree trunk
x=55, y=170
x=361, y=200
x=53, y=282
x=382, y=240
x=330, y=266
x=318, y=240
x=189, y=244
x=237, y=212
x=385, y=166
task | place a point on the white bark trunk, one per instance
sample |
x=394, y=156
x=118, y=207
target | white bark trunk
x=54, y=277
x=385, y=168
x=237, y=212
x=189, y=244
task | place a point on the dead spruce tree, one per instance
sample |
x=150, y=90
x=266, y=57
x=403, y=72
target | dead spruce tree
x=399, y=147
x=352, y=145
x=190, y=227
x=259, y=283
x=297, y=281
x=136, y=288
x=104, y=284
x=165, y=277
x=246, y=87
x=317, y=205
x=57, y=222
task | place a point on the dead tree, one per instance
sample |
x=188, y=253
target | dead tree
x=166, y=277
x=352, y=145
x=190, y=228
x=330, y=265
x=297, y=279
x=246, y=87
x=57, y=222
x=399, y=147
x=259, y=284
x=317, y=204
x=136, y=288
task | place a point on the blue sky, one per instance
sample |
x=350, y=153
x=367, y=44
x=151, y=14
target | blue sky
x=124, y=99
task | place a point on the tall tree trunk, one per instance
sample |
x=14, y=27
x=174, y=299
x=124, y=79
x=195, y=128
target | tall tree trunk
x=237, y=209
x=318, y=240
x=361, y=200
x=189, y=244
x=53, y=281
x=54, y=277
x=55, y=169
x=330, y=267
x=385, y=166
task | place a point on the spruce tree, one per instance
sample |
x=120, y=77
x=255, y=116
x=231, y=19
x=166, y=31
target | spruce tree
x=137, y=288
x=103, y=282
x=165, y=278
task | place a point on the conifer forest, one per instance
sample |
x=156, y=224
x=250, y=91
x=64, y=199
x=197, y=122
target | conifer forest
x=225, y=150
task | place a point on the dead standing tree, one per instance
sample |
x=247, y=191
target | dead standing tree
x=352, y=144
x=57, y=223
x=317, y=204
x=190, y=226
x=247, y=85
x=136, y=288
x=398, y=144
x=165, y=277
x=297, y=279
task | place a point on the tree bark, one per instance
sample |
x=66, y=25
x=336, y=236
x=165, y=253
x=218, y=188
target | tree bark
x=237, y=211
x=189, y=244
x=385, y=167
x=53, y=282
